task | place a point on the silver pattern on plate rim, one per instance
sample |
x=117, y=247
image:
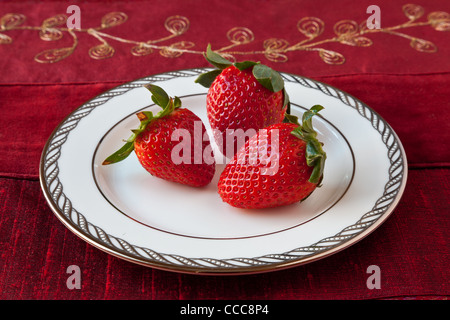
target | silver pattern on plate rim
x=77, y=223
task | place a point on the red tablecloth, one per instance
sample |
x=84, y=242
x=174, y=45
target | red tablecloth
x=402, y=71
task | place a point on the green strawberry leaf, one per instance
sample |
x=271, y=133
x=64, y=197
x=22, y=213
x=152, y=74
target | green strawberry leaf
x=268, y=77
x=207, y=78
x=289, y=118
x=286, y=101
x=263, y=74
x=176, y=103
x=160, y=98
x=315, y=155
x=120, y=154
x=245, y=64
x=216, y=59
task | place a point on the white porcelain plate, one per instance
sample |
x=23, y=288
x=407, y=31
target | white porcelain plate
x=126, y=212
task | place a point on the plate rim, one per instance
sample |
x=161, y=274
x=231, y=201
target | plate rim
x=213, y=266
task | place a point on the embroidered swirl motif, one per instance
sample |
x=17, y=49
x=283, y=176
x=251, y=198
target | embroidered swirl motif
x=348, y=32
x=49, y=32
x=177, y=25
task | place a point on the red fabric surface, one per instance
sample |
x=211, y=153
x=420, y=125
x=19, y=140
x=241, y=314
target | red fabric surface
x=407, y=87
x=388, y=54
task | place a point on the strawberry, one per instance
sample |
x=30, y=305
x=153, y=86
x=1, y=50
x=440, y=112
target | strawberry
x=242, y=98
x=280, y=165
x=156, y=149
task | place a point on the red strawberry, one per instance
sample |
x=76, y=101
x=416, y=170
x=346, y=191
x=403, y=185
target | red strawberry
x=281, y=165
x=242, y=98
x=154, y=145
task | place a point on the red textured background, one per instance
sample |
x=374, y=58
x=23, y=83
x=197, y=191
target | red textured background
x=409, y=89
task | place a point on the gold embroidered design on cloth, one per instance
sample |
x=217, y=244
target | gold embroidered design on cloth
x=347, y=32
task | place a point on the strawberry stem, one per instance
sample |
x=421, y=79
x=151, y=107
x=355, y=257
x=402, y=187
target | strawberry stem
x=315, y=155
x=159, y=97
